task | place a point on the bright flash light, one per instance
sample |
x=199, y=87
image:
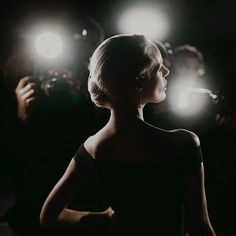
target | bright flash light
x=84, y=32
x=189, y=101
x=147, y=20
x=49, y=45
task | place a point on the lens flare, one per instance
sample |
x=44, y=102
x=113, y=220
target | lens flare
x=187, y=100
x=49, y=45
x=147, y=20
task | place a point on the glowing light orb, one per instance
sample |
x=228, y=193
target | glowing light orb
x=146, y=20
x=189, y=101
x=48, y=45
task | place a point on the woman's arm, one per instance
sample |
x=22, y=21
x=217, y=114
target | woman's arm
x=197, y=221
x=55, y=214
x=196, y=214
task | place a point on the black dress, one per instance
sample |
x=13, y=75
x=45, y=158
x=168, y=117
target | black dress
x=147, y=196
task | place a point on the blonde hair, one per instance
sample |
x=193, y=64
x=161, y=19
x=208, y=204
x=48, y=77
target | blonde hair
x=116, y=64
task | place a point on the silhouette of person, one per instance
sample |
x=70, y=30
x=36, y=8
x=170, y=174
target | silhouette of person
x=45, y=134
x=149, y=178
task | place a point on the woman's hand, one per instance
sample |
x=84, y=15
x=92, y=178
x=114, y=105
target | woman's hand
x=109, y=212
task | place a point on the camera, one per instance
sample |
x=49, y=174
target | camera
x=52, y=85
x=67, y=48
x=51, y=56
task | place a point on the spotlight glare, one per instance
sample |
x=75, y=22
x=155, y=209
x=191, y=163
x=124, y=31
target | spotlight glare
x=147, y=20
x=183, y=101
x=189, y=101
x=48, y=45
x=84, y=32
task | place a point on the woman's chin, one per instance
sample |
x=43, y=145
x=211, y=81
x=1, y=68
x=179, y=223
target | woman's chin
x=162, y=98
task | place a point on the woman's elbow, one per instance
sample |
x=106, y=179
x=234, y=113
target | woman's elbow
x=204, y=228
x=46, y=220
x=45, y=223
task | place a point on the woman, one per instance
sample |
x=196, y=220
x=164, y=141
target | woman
x=151, y=178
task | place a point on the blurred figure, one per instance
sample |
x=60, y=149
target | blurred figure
x=188, y=63
x=126, y=72
x=190, y=99
x=50, y=105
x=185, y=81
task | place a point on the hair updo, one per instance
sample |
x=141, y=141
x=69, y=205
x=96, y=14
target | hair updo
x=116, y=65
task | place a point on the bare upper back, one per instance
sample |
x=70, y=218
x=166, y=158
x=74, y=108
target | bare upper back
x=140, y=142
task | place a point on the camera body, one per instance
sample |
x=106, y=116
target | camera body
x=52, y=85
x=67, y=49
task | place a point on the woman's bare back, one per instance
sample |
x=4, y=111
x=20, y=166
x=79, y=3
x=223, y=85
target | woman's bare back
x=139, y=142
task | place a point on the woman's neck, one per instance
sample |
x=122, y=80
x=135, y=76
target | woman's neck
x=125, y=116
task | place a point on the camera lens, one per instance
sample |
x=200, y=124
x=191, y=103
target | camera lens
x=55, y=86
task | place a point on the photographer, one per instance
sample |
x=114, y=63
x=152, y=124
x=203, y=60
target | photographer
x=28, y=91
x=51, y=105
x=190, y=96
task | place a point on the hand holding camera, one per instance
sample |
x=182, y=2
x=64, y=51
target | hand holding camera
x=26, y=94
x=29, y=89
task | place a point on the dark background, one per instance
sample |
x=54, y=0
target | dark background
x=208, y=25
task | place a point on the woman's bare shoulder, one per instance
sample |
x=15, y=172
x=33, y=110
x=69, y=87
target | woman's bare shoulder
x=98, y=141
x=179, y=138
x=187, y=137
x=184, y=140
